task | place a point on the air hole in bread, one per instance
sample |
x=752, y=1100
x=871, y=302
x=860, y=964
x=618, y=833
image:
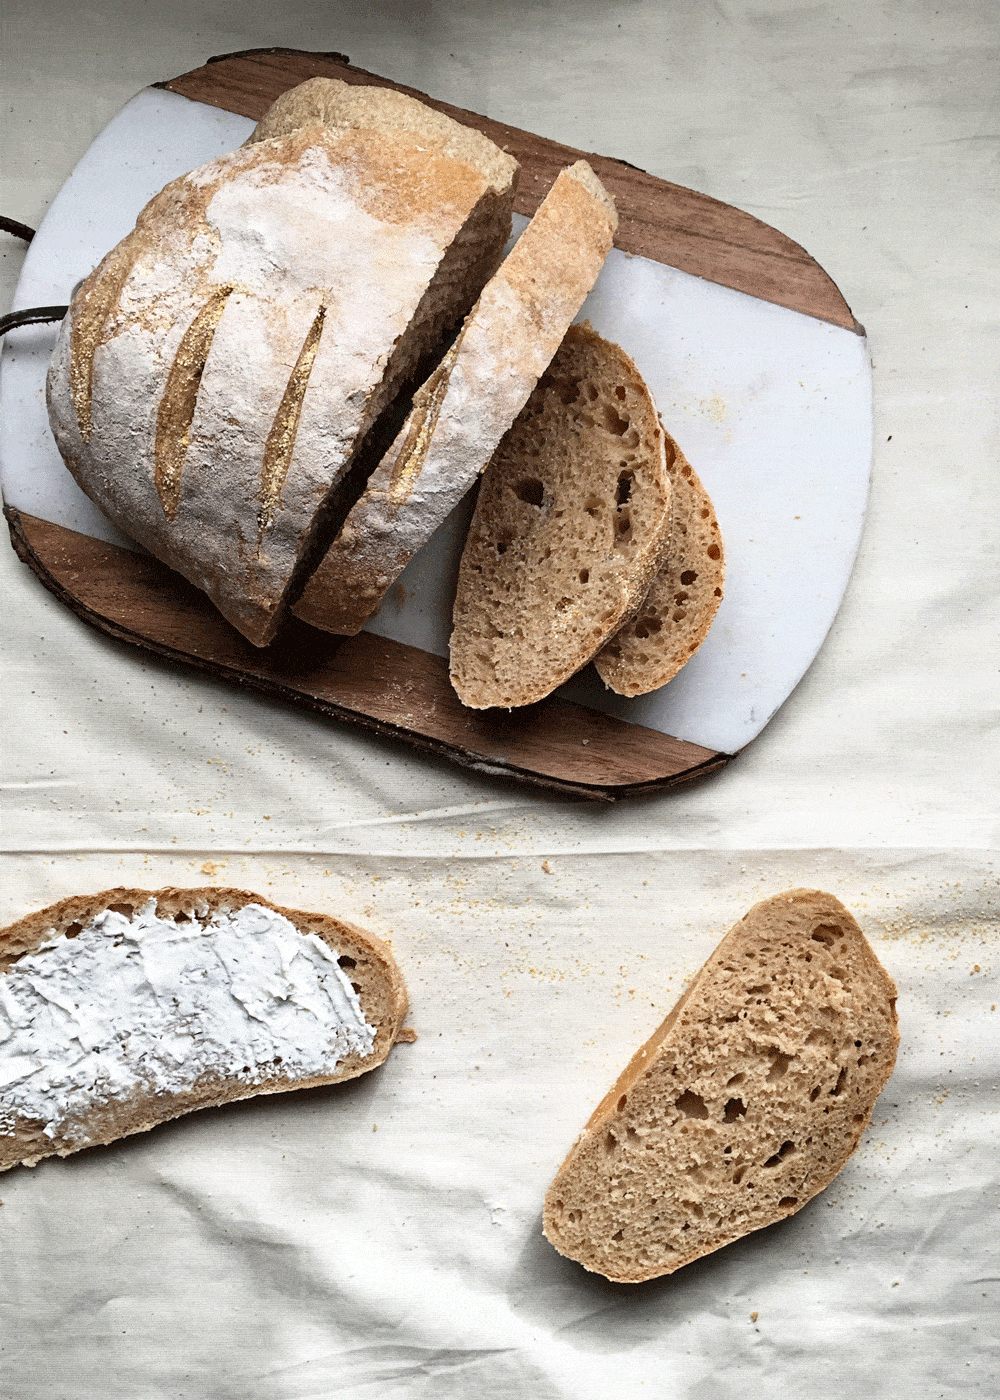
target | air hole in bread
x=620, y=391
x=584, y=575
x=841, y=1081
x=624, y=490
x=782, y=1152
x=814, y=1095
x=738, y=1175
x=614, y=422
x=688, y=576
x=632, y=1138
x=691, y=1105
x=127, y=910
x=826, y=933
x=735, y=1108
x=622, y=1102
x=593, y=505
x=618, y=1235
x=345, y=961
x=787, y=1202
x=736, y=1078
x=530, y=491
x=610, y=1142
x=73, y=930
x=623, y=526
x=779, y=1065
x=714, y=552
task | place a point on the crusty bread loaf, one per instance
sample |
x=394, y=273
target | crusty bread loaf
x=216, y=375
x=745, y=1103
x=684, y=597
x=469, y=402
x=123, y=1009
x=570, y=527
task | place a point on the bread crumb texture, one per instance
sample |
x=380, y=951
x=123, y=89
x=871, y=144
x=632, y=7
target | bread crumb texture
x=571, y=525
x=745, y=1103
x=684, y=597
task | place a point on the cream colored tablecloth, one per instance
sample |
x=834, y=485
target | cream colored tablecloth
x=384, y=1238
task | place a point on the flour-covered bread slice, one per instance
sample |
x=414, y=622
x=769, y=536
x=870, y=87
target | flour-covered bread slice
x=570, y=526
x=216, y=375
x=469, y=402
x=123, y=1009
x=685, y=595
x=746, y=1102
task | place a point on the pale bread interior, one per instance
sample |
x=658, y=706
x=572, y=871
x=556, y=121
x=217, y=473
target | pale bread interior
x=571, y=522
x=745, y=1103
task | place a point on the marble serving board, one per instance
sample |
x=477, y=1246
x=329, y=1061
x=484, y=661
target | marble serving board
x=757, y=366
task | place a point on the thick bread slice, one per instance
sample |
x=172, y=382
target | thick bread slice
x=685, y=595
x=216, y=375
x=111, y=1022
x=745, y=1103
x=469, y=402
x=570, y=527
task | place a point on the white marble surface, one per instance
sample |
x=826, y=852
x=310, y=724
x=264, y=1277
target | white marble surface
x=287, y=1250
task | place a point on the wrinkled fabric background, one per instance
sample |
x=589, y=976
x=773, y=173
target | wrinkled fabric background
x=383, y=1238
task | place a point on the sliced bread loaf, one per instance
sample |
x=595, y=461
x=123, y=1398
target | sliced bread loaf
x=469, y=402
x=216, y=375
x=745, y=1103
x=571, y=522
x=685, y=595
x=123, y=1009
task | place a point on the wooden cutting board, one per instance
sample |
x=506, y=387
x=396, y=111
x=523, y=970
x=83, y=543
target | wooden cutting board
x=398, y=684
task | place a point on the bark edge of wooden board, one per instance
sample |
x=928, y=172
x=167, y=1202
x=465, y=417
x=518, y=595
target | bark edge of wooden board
x=388, y=687
x=659, y=220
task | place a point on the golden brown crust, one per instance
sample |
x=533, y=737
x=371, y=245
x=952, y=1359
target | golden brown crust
x=743, y=1105
x=367, y=960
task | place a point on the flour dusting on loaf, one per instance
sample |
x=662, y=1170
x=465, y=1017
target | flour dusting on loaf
x=469, y=402
x=216, y=374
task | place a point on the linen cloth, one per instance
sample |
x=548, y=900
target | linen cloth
x=384, y=1237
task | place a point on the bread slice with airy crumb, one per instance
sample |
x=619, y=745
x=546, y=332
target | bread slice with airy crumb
x=462, y=412
x=746, y=1102
x=121, y=1010
x=570, y=527
x=685, y=595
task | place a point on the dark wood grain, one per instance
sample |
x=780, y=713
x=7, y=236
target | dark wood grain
x=659, y=220
x=365, y=680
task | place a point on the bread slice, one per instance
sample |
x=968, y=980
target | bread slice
x=745, y=1103
x=121, y=1010
x=217, y=374
x=570, y=527
x=685, y=595
x=464, y=409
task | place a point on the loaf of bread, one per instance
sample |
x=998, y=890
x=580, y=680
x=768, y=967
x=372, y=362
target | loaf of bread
x=124, y=1009
x=571, y=524
x=684, y=597
x=469, y=402
x=746, y=1102
x=216, y=376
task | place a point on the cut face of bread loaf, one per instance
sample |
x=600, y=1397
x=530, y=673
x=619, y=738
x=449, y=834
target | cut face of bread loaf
x=469, y=402
x=121, y=1010
x=570, y=527
x=216, y=375
x=684, y=597
x=746, y=1102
